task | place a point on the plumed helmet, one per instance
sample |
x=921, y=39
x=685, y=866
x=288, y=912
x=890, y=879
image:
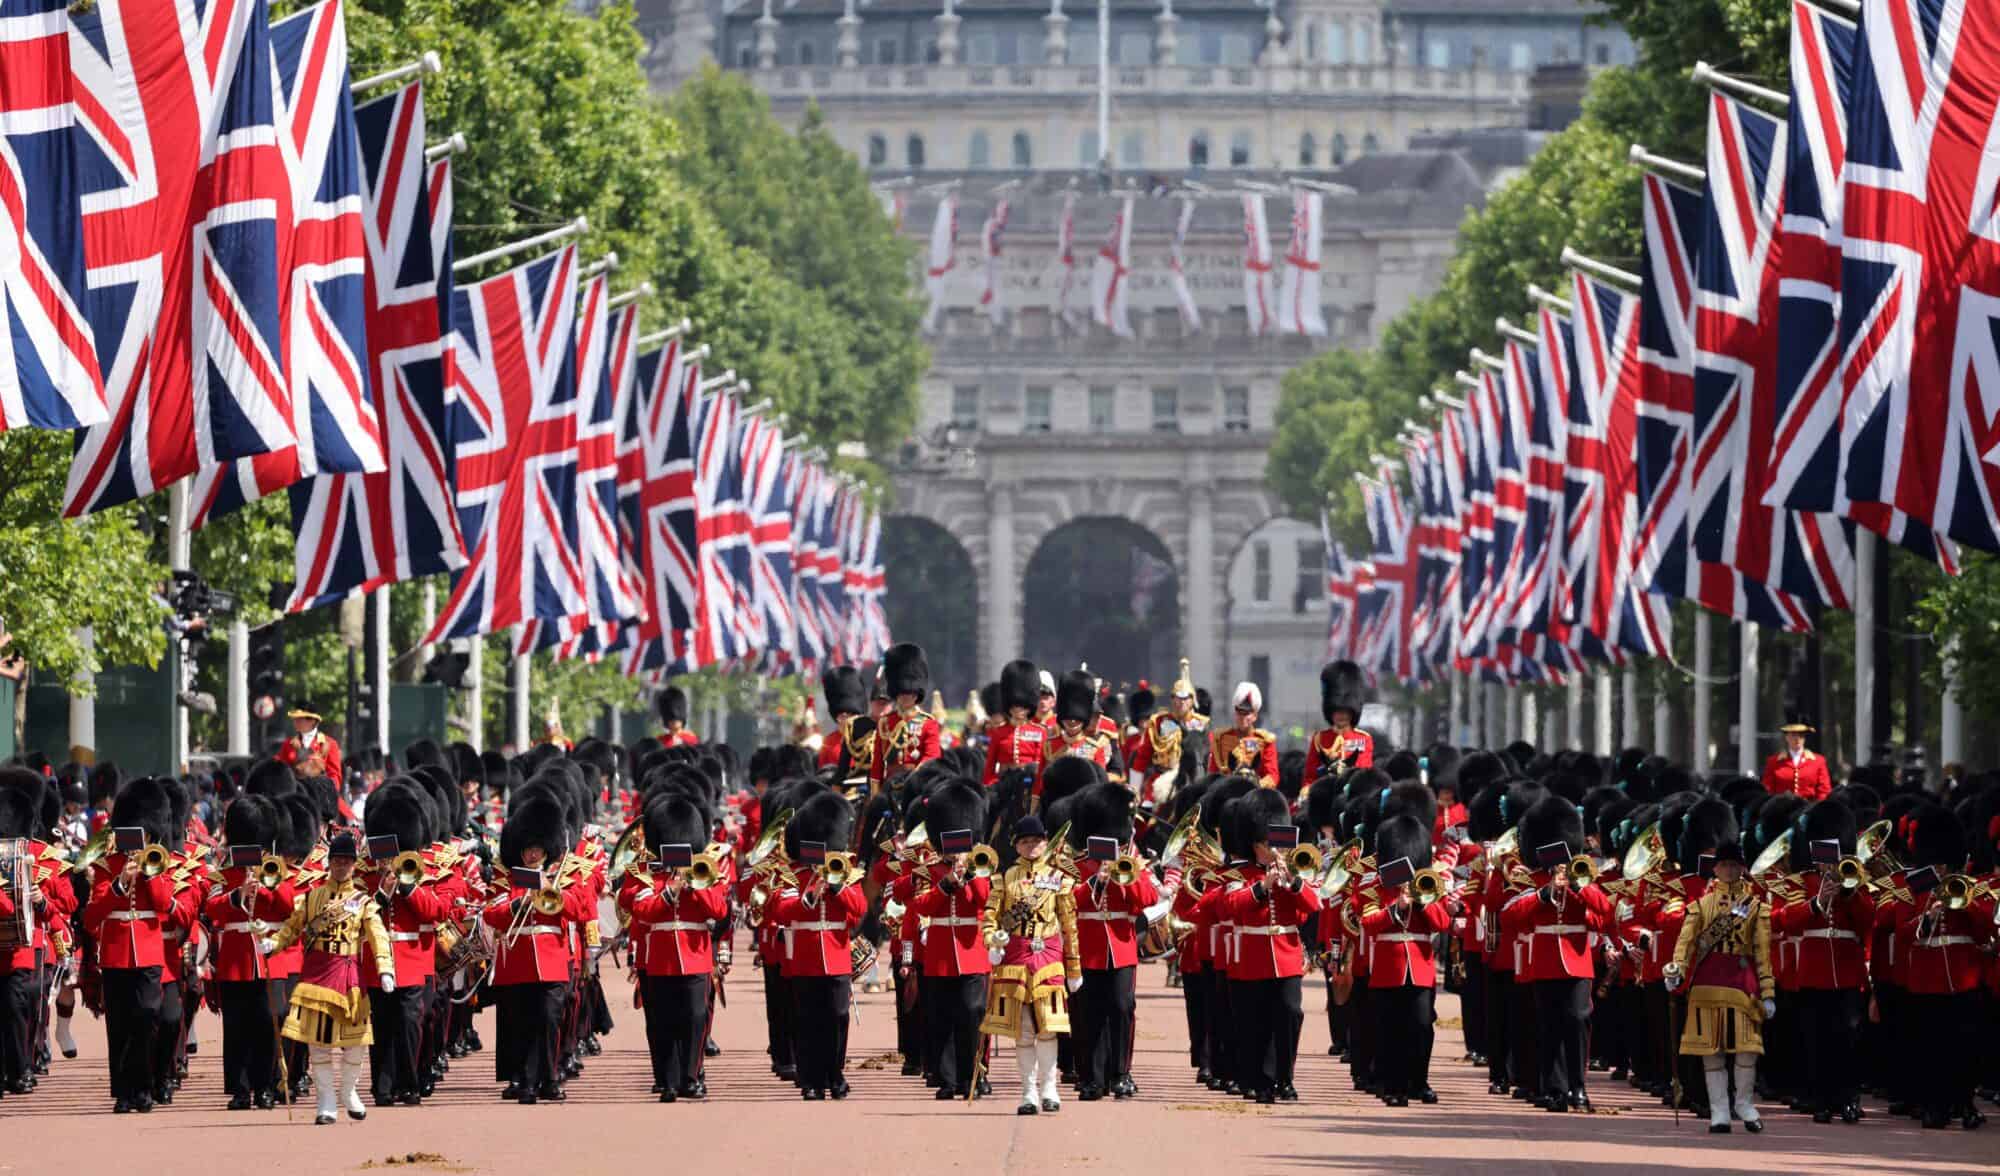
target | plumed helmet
x=1249, y=818
x=1403, y=837
x=402, y=809
x=1548, y=821
x=537, y=817
x=672, y=703
x=1020, y=685
x=1342, y=687
x=1076, y=697
x=905, y=670
x=1104, y=810
x=252, y=820
x=845, y=692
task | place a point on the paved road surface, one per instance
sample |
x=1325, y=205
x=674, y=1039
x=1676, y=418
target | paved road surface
x=754, y=1124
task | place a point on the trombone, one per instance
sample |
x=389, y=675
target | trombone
x=546, y=901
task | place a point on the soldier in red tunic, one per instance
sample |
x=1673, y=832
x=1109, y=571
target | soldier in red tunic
x=1076, y=717
x=846, y=700
x=1108, y=945
x=1016, y=743
x=1341, y=747
x=1797, y=768
x=955, y=963
x=1266, y=908
x=908, y=736
x=673, y=913
x=1402, y=962
x=673, y=707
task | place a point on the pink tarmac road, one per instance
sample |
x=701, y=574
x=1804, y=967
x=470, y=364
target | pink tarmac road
x=752, y=1123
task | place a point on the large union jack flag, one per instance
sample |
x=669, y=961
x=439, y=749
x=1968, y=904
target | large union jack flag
x=769, y=474
x=357, y=532
x=1476, y=583
x=322, y=255
x=808, y=491
x=722, y=532
x=1383, y=630
x=514, y=427
x=666, y=518
x=49, y=377
x=1339, y=594
x=182, y=184
x=1920, y=248
x=1736, y=369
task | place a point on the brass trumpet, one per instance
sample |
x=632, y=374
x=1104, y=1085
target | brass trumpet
x=1851, y=871
x=1305, y=861
x=1427, y=886
x=1582, y=870
x=1960, y=890
x=1123, y=871
x=271, y=871
x=838, y=869
x=154, y=860
x=408, y=867
x=983, y=861
x=704, y=872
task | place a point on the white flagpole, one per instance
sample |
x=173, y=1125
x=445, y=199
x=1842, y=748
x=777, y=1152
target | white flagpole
x=475, y=695
x=575, y=228
x=1864, y=644
x=1604, y=733
x=451, y=146
x=238, y=695
x=1704, y=696
x=674, y=332
x=517, y=709
x=1476, y=693
x=83, y=697
x=1746, y=703
x=1629, y=733
x=178, y=554
x=426, y=65
x=1573, y=713
x=1951, y=712
x=642, y=290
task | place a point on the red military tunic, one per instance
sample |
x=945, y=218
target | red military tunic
x=1947, y=953
x=1015, y=745
x=540, y=954
x=1106, y=931
x=680, y=738
x=237, y=931
x=51, y=880
x=952, y=946
x=815, y=932
x=1806, y=776
x=1266, y=930
x=903, y=743
x=127, y=925
x=676, y=931
x=1831, y=950
x=1329, y=749
x=1557, y=935
x=296, y=751
x=1400, y=950
x=411, y=921
x=1086, y=744
x=830, y=745
x=1253, y=752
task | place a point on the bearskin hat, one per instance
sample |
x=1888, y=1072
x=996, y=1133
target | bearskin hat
x=1216, y=799
x=905, y=670
x=401, y=808
x=1248, y=819
x=672, y=705
x=252, y=820
x=1407, y=799
x=1067, y=775
x=1936, y=837
x=1401, y=837
x=20, y=803
x=1607, y=818
x=989, y=701
x=1709, y=823
x=538, y=817
x=1367, y=783
x=1104, y=810
x=1292, y=773
x=145, y=802
x=827, y=818
x=1342, y=687
x=673, y=819
x=955, y=805
x=1774, y=816
x=1499, y=806
x=1828, y=820
x=1076, y=697
x=271, y=778
x=1403, y=765
x=1477, y=770
x=844, y=691
x=1549, y=820
x=1323, y=806
x=1020, y=686
x=424, y=751
x=298, y=826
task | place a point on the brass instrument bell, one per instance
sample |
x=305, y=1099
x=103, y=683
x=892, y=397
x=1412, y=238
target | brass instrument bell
x=983, y=861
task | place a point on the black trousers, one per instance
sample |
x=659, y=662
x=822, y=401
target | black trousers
x=1406, y=1016
x=1102, y=1017
x=1944, y=1033
x=912, y=1037
x=168, y=1038
x=1657, y=1047
x=1195, y=990
x=1338, y=1018
x=529, y=1024
x=249, y=1037
x=1829, y=1027
x=1472, y=1002
x=953, y=1008
x=1500, y=1003
x=778, y=1016
x=819, y=1028
x=1269, y=1015
x=131, y=1020
x=1223, y=1031
x=1524, y=1036
x=676, y=1022
x=1562, y=1013
x=18, y=992
x=1364, y=1033
x=398, y=1020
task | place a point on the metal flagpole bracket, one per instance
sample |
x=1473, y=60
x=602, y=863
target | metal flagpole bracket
x=1705, y=74
x=714, y=382
x=674, y=332
x=451, y=146
x=1466, y=379
x=423, y=66
x=1443, y=399
x=743, y=389
x=756, y=408
x=1486, y=360
x=1547, y=298
x=575, y=228
x=642, y=290
x=1639, y=156
x=1330, y=189
x=1599, y=269
x=701, y=352
x=1515, y=333
x=603, y=265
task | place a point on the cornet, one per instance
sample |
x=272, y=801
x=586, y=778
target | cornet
x=983, y=861
x=1123, y=871
x=1305, y=861
x=271, y=871
x=1960, y=890
x=408, y=867
x=838, y=869
x=704, y=872
x=1427, y=886
x=1582, y=870
x=154, y=860
x=1851, y=871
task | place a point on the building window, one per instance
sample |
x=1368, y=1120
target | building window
x=1312, y=574
x=1260, y=572
x=1479, y=57
x=1132, y=149
x=1166, y=410
x=878, y=151
x=1364, y=50
x=1024, y=151
x=746, y=56
x=1336, y=43
x=1308, y=150
x=805, y=52
x=930, y=51
x=1236, y=410
x=1312, y=40
x=1437, y=54
x=1370, y=144
x=1260, y=673
x=885, y=51
x=1602, y=55
x=1103, y=408
x=976, y=152
x=979, y=49
x=1521, y=57
x=1239, y=149
x=1132, y=49
x=965, y=407
x=1562, y=52
x=913, y=151
x=1040, y=411
x=1087, y=154
x=1198, y=149
x=1337, y=149
x=1236, y=49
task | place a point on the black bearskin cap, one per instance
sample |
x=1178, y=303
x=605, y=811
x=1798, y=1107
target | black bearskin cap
x=1248, y=819
x=401, y=808
x=672, y=704
x=1403, y=837
x=1076, y=697
x=1103, y=810
x=905, y=671
x=1342, y=686
x=538, y=816
x=846, y=693
x=1020, y=685
x=1549, y=820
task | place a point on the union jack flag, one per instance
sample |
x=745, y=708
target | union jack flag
x=666, y=510
x=631, y=462
x=1736, y=368
x=874, y=621
x=49, y=377
x=1919, y=263
x=723, y=612
x=1601, y=431
x=182, y=182
x=1544, y=443
x=357, y=532
x=1510, y=502
x=1385, y=635
x=1339, y=594
x=514, y=423
x=324, y=258
x=805, y=496
x=1476, y=581
x=1436, y=483
x=1666, y=558
x=768, y=487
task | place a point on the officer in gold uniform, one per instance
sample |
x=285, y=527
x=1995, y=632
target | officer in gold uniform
x=1246, y=749
x=1723, y=962
x=336, y=921
x=1029, y=926
x=1156, y=757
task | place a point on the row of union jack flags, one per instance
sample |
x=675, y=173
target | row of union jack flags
x=1717, y=425
x=221, y=268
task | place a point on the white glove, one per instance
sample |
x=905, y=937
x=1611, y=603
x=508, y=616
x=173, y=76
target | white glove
x=388, y=985
x=1770, y=1009
x=1073, y=985
x=994, y=955
x=1172, y=862
x=267, y=945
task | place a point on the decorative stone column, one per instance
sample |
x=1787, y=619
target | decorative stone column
x=1166, y=40
x=767, y=38
x=848, y=45
x=947, y=34
x=1003, y=629
x=1055, y=45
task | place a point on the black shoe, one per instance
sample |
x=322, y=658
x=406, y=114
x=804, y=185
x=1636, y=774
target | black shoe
x=932, y=1081
x=325, y=1120
x=239, y=1102
x=409, y=1098
x=812, y=1094
x=572, y=1069
x=667, y=1096
x=1499, y=1088
x=1578, y=1101
x=1203, y=1077
x=1266, y=1097
x=1556, y=1103
x=944, y=1094
x=1972, y=1120
x=1620, y=1074
x=710, y=1050
x=1822, y=1116
x=1396, y=1100
x=839, y=1089
x=1027, y=1108
x=164, y=1096
x=121, y=1107
x=1050, y=1106
x=1718, y=1128
x=427, y=1088
x=1232, y=1088
x=527, y=1098
x=1936, y=1120
x=1333, y=1051
x=1851, y=1113
x=912, y=1067
x=358, y=1116
x=1753, y=1126
x=985, y=1088
x=1288, y=1093
x=787, y=1073
x=1124, y=1090
x=512, y=1092
x=266, y=1100
x=697, y=1090
x=591, y=1047
x=1429, y=1097
x=553, y=1092
x=142, y=1104
x=1088, y=1094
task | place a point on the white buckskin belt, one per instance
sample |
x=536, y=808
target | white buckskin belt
x=539, y=929
x=821, y=925
x=255, y=927
x=679, y=927
x=131, y=916
x=427, y=928
x=1401, y=937
x=958, y=921
x=1946, y=941
x=1562, y=929
x=1101, y=916
x=402, y=937
x=1265, y=929
x=1828, y=933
